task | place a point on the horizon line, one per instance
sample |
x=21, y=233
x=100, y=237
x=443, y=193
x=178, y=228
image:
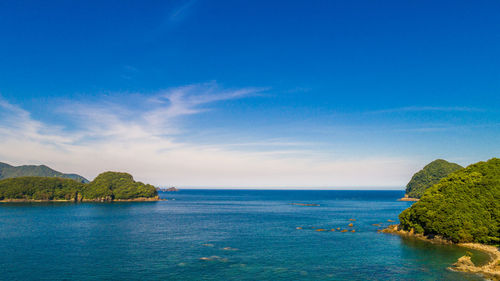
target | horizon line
x=360, y=188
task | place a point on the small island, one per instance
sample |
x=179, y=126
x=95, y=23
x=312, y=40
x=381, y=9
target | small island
x=464, y=209
x=106, y=187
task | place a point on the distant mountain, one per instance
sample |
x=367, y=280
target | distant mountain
x=8, y=171
x=431, y=174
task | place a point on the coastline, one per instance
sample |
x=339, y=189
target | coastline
x=140, y=199
x=33, y=200
x=491, y=270
x=408, y=199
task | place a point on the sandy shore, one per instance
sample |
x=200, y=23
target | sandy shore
x=491, y=270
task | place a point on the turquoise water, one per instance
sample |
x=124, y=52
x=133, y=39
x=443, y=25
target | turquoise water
x=258, y=229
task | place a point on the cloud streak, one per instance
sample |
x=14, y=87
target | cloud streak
x=180, y=12
x=427, y=109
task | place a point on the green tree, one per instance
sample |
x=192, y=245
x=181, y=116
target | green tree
x=116, y=185
x=431, y=174
x=105, y=187
x=463, y=207
x=39, y=188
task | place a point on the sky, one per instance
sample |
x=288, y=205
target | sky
x=250, y=94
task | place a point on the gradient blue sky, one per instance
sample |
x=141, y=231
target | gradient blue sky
x=346, y=94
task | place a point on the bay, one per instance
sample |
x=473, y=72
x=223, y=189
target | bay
x=221, y=235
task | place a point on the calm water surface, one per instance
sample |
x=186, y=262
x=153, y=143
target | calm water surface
x=245, y=235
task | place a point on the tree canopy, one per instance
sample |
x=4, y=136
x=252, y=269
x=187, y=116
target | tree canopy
x=463, y=207
x=39, y=188
x=431, y=174
x=117, y=186
x=107, y=186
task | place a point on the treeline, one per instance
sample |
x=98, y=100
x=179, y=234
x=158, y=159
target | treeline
x=107, y=186
x=463, y=207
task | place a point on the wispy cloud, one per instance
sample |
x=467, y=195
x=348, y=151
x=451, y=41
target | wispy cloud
x=15, y=120
x=180, y=12
x=426, y=129
x=134, y=115
x=192, y=99
x=141, y=139
x=446, y=128
x=176, y=13
x=426, y=109
x=128, y=72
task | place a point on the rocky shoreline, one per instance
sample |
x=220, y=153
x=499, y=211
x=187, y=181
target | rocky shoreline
x=31, y=200
x=406, y=198
x=140, y=199
x=491, y=270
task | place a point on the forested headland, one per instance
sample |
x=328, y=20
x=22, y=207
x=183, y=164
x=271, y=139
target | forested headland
x=108, y=186
x=431, y=174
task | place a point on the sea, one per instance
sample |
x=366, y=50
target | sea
x=221, y=235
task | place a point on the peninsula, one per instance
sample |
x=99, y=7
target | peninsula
x=106, y=187
x=464, y=209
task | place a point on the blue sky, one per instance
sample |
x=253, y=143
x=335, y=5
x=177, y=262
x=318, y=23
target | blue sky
x=353, y=94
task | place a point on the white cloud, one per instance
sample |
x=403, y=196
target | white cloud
x=111, y=136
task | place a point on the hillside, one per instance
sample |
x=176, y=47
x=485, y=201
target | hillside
x=431, y=174
x=463, y=207
x=106, y=187
x=8, y=171
x=117, y=186
x=40, y=188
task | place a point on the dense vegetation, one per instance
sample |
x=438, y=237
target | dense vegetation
x=117, y=186
x=107, y=186
x=463, y=207
x=38, y=188
x=8, y=171
x=431, y=174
